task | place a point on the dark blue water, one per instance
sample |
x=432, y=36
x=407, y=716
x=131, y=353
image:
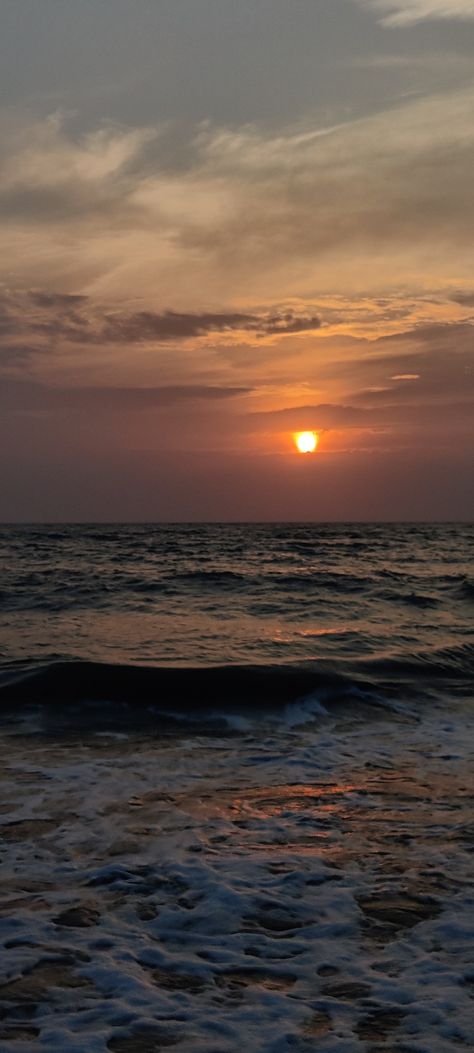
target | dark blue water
x=349, y=598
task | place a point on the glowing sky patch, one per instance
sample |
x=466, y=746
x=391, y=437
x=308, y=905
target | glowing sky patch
x=405, y=376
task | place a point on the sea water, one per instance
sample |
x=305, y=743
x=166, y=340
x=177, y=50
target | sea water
x=236, y=788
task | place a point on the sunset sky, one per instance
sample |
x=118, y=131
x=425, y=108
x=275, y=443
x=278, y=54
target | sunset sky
x=224, y=221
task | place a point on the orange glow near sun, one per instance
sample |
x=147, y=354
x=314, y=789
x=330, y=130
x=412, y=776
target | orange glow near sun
x=306, y=441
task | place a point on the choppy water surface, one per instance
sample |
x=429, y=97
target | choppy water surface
x=236, y=789
x=204, y=594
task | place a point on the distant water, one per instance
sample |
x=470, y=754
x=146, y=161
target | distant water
x=378, y=601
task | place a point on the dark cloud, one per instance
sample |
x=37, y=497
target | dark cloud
x=63, y=301
x=10, y=320
x=288, y=322
x=72, y=319
x=385, y=413
x=322, y=415
x=438, y=336
x=440, y=376
x=172, y=325
x=32, y=396
x=37, y=315
x=17, y=354
x=466, y=299
x=440, y=356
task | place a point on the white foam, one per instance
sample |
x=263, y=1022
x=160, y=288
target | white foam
x=240, y=863
x=305, y=711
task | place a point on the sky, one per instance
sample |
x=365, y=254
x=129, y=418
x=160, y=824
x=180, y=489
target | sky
x=224, y=222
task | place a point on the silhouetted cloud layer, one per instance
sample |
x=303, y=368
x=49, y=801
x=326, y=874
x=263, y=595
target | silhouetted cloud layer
x=74, y=318
x=172, y=325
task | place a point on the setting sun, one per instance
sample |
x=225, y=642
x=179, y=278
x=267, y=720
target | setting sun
x=306, y=441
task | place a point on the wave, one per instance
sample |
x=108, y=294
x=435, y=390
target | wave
x=188, y=687
x=213, y=578
x=412, y=599
x=336, y=581
x=189, y=692
x=449, y=663
x=466, y=590
x=300, y=582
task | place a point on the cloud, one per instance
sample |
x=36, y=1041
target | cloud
x=440, y=357
x=405, y=376
x=320, y=415
x=248, y=215
x=289, y=322
x=35, y=396
x=64, y=318
x=17, y=354
x=388, y=413
x=464, y=297
x=173, y=325
x=47, y=176
x=233, y=260
x=415, y=383
x=64, y=302
x=407, y=12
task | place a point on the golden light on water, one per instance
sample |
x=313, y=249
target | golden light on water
x=306, y=441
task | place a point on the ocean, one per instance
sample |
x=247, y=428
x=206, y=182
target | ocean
x=236, y=788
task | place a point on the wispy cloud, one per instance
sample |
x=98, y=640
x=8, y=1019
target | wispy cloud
x=249, y=216
x=407, y=12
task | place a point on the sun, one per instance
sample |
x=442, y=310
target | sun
x=306, y=441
